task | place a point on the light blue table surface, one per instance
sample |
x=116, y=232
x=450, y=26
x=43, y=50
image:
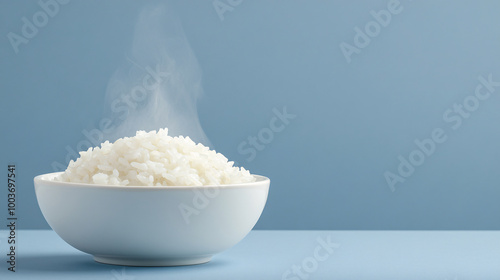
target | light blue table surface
x=270, y=254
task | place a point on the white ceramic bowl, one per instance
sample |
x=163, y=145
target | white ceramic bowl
x=151, y=226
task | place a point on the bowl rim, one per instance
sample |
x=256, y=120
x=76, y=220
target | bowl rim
x=42, y=178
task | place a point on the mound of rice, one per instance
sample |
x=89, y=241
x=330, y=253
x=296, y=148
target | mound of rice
x=153, y=159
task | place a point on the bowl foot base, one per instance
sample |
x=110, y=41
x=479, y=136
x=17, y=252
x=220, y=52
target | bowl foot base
x=152, y=262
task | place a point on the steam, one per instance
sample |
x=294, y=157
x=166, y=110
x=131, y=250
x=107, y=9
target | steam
x=160, y=82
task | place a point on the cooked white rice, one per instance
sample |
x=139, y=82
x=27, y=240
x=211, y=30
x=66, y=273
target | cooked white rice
x=153, y=159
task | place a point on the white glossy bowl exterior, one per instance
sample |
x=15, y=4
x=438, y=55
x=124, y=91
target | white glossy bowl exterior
x=151, y=226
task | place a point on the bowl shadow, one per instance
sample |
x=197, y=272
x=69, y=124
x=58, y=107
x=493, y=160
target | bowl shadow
x=83, y=263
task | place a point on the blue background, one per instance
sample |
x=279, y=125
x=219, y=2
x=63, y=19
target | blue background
x=353, y=119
